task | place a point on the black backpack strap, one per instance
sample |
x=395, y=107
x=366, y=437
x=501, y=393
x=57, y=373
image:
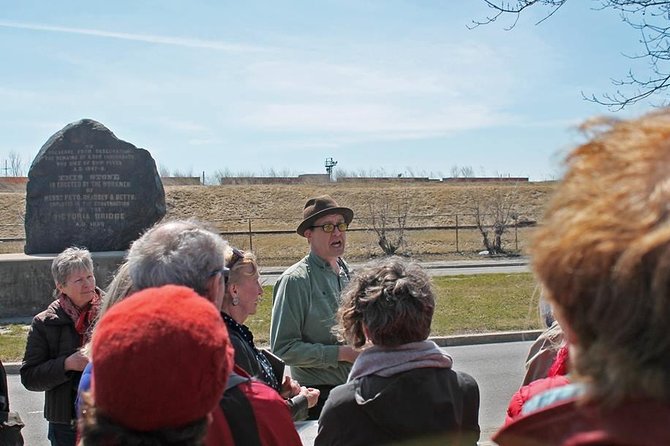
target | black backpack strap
x=239, y=413
x=234, y=380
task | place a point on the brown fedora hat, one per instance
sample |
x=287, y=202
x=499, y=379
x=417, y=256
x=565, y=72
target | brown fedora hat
x=318, y=207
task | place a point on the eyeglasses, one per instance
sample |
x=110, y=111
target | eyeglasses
x=237, y=255
x=223, y=271
x=330, y=227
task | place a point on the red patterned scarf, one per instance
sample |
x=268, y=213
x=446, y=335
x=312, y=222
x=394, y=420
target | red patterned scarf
x=84, y=317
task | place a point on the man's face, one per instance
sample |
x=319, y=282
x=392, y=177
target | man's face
x=328, y=246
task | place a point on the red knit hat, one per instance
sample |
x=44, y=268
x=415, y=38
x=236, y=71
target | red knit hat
x=161, y=358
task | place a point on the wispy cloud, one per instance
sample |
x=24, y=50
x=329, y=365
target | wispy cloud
x=147, y=38
x=204, y=141
x=383, y=121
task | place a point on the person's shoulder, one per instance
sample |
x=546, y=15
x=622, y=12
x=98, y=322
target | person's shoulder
x=51, y=314
x=465, y=379
x=342, y=398
x=345, y=391
x=553, y=396
x=297, y=271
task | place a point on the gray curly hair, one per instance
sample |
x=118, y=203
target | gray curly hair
x=393, y=298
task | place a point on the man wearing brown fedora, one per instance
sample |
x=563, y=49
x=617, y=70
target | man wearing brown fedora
x=306, y=298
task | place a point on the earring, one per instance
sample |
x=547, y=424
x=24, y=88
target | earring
x=236, y=301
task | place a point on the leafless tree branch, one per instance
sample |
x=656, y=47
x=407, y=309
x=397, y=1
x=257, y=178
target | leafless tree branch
x=651, y=18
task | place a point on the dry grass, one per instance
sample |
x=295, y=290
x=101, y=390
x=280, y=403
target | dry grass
x=279, y=207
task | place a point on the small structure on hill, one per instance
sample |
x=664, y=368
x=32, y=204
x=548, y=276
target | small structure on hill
x=330, y=165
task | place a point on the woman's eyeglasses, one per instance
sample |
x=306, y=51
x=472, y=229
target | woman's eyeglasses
x=330, y=227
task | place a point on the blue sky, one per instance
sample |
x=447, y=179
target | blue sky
x=381, y=86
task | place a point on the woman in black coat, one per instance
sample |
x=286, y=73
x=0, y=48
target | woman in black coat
x=402, y=387
x=53, y=362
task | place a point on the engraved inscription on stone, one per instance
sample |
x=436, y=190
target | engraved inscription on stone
x=88, y=188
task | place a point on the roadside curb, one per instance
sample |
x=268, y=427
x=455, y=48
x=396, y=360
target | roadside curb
x=12, y=368
x=442, y=341
x=486, y=338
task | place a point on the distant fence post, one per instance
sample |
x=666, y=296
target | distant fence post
x=516, y=235
x=251, y=238
x=457, y=250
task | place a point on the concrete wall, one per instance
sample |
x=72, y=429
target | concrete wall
x=26, y=284
x=181, y=181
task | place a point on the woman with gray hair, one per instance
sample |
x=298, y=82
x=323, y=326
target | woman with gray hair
x=402, y=387
x=53, y=361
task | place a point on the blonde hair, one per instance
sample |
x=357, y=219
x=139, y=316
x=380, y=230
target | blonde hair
x=603, y=256
x=118, y=289
x=239, y=267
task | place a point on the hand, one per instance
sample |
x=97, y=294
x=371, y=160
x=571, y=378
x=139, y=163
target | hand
x=77, y=361
x=311, y=394
x=289, y=388
x=347, y=354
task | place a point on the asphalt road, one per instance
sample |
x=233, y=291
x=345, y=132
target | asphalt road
x=498, y=368
x=270, y=275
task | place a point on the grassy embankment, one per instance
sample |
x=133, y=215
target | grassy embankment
x=466, y=304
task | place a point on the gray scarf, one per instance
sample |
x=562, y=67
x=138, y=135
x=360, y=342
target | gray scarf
x=389, y=361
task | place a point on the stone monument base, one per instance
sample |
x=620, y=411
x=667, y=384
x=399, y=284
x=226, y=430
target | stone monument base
x=26, y=284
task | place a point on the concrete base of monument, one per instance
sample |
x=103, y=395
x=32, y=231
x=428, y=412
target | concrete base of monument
x=26, y=284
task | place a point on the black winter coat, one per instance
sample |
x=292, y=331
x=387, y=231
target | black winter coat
x=424, y=406
x=51, y=339
x=245, y=358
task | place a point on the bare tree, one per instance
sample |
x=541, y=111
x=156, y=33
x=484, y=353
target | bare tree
x=467, y=172
x=163, y=170
x=389, y=219
x=178, y=173
x=494, y=211
x=15, y=164
x=454, y=171
x=650, y=18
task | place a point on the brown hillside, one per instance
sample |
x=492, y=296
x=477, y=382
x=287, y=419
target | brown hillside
x=279, y=207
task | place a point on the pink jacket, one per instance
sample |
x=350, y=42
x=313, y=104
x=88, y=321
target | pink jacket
x=642, y=422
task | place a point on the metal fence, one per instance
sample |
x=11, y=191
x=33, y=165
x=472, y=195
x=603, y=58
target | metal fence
x=273, y=238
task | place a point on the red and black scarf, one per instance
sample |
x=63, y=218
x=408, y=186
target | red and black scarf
x=84, y=317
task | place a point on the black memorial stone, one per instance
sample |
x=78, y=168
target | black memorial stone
x=88, y=188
